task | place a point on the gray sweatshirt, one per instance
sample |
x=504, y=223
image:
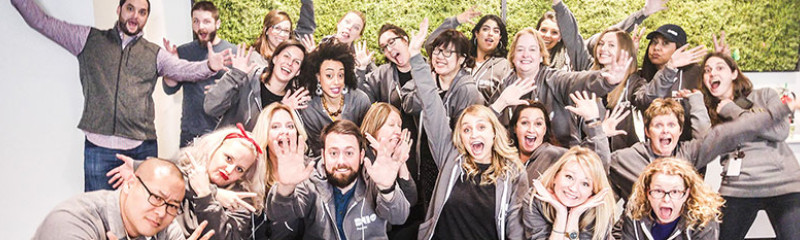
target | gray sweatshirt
x=314, y=117
x=547, y=154
x=236, y=98
x=227, y=224
x=640, y=230
x=508, y=190
x=537, y=227
x=312, y=201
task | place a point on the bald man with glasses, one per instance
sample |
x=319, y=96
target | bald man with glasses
x=141, y=209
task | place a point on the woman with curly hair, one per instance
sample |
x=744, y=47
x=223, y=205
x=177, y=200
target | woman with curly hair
x=572, y=199
x=671, y=201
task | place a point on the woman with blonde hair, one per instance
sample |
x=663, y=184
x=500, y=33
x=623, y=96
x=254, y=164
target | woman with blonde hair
x=571, y=200
x=671, y=200
x=480, y=174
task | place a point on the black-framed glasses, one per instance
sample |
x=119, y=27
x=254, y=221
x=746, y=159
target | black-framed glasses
x=280, y=31
x=158, y=201
x=390, y=43
x=658, y=193
x=443, y=52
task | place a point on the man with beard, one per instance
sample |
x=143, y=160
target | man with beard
x=118, y=72
x=205, y=22
x=339, y=201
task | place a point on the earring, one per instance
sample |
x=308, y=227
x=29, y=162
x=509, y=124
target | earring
x=345, y=90
x=319, y=90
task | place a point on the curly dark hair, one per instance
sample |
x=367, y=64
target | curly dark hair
x=328, y=51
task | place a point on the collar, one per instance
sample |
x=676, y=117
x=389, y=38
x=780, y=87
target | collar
x=113, y=216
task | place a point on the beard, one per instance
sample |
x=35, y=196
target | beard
x=211, y=36
x=342, y=181
x=123, y=25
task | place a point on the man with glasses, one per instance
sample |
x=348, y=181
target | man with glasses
x=143, y=208
x=205, y=23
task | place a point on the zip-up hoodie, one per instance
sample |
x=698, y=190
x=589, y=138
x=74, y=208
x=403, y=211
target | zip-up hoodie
x=236, y=98
x=509, y=189
x=640, y=230
x=314, y=117
x=367, y=216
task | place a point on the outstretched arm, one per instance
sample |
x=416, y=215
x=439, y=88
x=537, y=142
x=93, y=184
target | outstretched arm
x=307, y=24
x=70, y=36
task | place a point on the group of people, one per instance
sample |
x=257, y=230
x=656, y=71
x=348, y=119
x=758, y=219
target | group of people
x=497, y=136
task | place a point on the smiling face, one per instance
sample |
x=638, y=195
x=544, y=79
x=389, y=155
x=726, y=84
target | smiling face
x=395, y=49
x=278, y=33
x=530, y=130
x=331, y=78
x=573, y=185
x=551, y=34
x=391, y=129
x=204, y=26
x=607, y=49
x=488, y=36
x=287, y=64
x=133, y=16
x=718, y=78
x=342, y=157
x=230, y=161
x=349, y=28
x=139, y=216
x=477, y=136
x=446, y=61
x=669, y=207
x=660, y=50
x=527, y=54
x=281, y=130
x=663, y=132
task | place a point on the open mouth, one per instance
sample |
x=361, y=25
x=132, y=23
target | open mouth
x=223, y=175
x=665, y=212
x=336, y=90
x=715, y=84
x=570, y=196
x=202, y=35
x=286, y=70
x=525, y=61
x=530, y=140
x=665, y=140
x=489, y=41
x=344, y=35
x=477, y=148
x=132, y=25
x=440, y=63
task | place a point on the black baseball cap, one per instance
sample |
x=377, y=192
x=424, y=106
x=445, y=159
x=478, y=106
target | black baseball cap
x=671, y=32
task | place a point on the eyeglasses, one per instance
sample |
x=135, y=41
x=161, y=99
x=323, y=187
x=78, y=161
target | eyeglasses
x=158, y=201
x=280, y=31
x=658, y=193
x=389, y=43
x=445, y=53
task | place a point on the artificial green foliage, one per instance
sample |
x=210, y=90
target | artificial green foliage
x=766, y=33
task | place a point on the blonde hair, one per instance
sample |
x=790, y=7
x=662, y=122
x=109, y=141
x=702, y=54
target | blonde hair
x=505, y=159
x=376, y=117
x=603, y=216
x=261, y=135
x=701, y=207
x=542, y=47
x=203, y=147
x=625, y=44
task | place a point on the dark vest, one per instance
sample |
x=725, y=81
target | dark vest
x=118, y=85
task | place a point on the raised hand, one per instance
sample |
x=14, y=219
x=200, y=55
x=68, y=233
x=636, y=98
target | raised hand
x=653, y=6
x=383, y=172
x=363, y=55
x=545, y=195
x=292, y=168
x=638, y=33
x=218, y=60
x=682, y=57
x=613, y=119
x=722, y=104
x=617, y=71
x=198, y=177
x=308, y=42
x=233, y=200
x=241, y=60
x=199, y=230
x=121, y=174
x=590, y=203
x=719, y=44
x=585, y=105
x=512, y=95
x=171, y=48
x=296, y=99
x=468, y=15
x=686, y=93
x=403, y=148
x=418, y=38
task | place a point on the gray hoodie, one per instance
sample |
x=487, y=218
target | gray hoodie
x=312, y=201
x=640, y=229
x=314, y=117
x=236, y=98
x=547, y=154
x=538, y=227
x=509, y=189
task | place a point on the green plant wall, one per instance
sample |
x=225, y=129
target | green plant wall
x=766, y=33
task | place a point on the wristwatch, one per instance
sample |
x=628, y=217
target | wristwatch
x=572, y=235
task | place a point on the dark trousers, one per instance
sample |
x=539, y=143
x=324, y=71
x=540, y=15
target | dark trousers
x=97, y=161
x=187, y=138
x=783, y=212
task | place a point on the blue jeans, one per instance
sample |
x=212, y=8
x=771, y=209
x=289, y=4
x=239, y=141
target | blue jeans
x=97, y=161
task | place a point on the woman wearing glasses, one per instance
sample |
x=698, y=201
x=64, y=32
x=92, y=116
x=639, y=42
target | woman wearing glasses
x=227, y=158
x=278, y=28
x=671, y=201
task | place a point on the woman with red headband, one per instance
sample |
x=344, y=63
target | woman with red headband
x=227, y=159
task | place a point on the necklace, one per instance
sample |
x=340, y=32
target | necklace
x=332, y=114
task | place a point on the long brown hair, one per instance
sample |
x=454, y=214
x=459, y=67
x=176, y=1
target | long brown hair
x=625, y=44
x=742, y=87
x=262, y=43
